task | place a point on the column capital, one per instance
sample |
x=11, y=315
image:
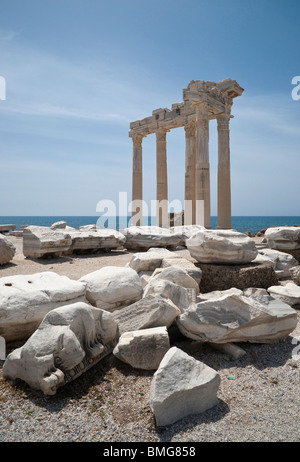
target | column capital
x=202, y=110
x=161, y=134
x=223, y=121
x=190, y=128
x=138, y=138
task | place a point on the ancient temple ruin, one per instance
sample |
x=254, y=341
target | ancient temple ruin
x=202, y=102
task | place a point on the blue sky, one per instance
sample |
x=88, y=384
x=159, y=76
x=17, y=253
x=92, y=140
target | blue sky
x=78, y=72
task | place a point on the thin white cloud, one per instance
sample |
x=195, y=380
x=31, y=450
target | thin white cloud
x=42, y=84
x=277, y=112
x=9, y=35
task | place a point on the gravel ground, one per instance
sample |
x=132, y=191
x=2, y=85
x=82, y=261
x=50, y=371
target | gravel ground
x=258, y=402
x=258, y=395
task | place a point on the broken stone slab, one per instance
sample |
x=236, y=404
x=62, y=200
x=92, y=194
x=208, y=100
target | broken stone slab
x=145, y=277
x=222, y=247
x=180, y=296
x=145, y=237
x=7, y=250
x=143, y=349
x=283, y=261
x=41, y=241
x=26, y=299
x=112, y=287
x=289, y=293
x=145, y=261
x=295, y=274
x=18, y=233
x=171, y=258
x=186, y=231
x=88, y=227
x=163, y=252
x=70, y=340
x=230, y=349
x=150, y=311
x=216, y=294
x=260, y=258
x=223, y=277
x=254, y=292
x=283, y=237
x=183, y=263
x=178, y=276
x=85, y=240
x=182, y=386
x=7, y=228
x=59, y=225
x=234, y=318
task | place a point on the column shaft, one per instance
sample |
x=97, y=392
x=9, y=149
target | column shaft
x=190, y=173
x=137, y=178
x=202, y=166
x=161, y=178
x=224, y=186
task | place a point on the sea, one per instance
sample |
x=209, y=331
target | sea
x=239, y=223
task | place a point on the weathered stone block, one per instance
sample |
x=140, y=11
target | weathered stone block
x=236, y=318
x=7, y=250
x=222, y=277
x=112, y=287
x=221, y=247
x=143, y=349
x=41, y=241
x=26, y=299
x=182, y=386
x=70, y=340
x=151, y=311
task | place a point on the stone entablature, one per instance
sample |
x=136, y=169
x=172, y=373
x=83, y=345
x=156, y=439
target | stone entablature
x=202, y=102
x=217, y=96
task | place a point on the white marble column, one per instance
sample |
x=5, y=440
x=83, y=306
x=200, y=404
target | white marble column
x=137, y=178
x=161, y=178
x=224, y=186
x=190, y=173
x=202, y=165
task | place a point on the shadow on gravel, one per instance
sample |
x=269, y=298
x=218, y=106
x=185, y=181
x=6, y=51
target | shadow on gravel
x=80, y=254
x=8, y=265
x=212, y=415
x=100, y=385
x=258, y=355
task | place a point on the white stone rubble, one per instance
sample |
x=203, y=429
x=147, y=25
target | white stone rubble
x=69, y=340
x=40, y=241
x=26, y=299
x=112, y=287
x=7, y=250
x=178, y=276
x=236, y=318
x=295, y=274
x=182, y=386
x=180, y=296
x=143, y=349
x=289, y=293
x=145, y=237
x=283, y=237
x=222, y=246
x=151, y=311
x=283, y=261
